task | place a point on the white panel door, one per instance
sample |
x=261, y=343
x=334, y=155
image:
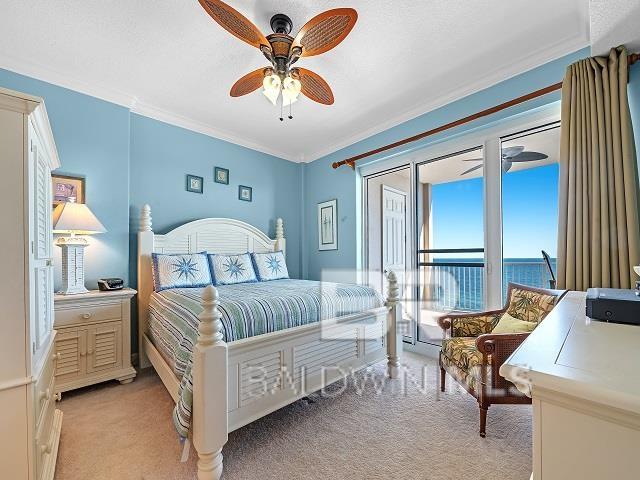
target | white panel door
x=394, y=232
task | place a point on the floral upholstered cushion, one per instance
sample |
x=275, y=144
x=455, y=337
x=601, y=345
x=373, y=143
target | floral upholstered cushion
x=530, y=306
x=462, y=360
x=180, y=271
x=474, y=325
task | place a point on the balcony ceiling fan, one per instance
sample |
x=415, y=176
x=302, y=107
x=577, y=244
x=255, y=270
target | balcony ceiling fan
x=319, y=35
x=510, y=155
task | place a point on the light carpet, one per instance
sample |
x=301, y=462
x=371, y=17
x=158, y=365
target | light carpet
x=405, y=430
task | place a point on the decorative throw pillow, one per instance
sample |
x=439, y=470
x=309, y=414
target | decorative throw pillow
x=180, y=270
x=232, y=269
x=508, y=324
x=270, y=266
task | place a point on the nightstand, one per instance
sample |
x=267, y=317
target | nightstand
x=93, y=343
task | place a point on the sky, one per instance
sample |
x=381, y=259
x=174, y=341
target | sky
x=530, y=213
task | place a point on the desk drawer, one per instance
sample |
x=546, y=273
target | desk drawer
x=87, y=314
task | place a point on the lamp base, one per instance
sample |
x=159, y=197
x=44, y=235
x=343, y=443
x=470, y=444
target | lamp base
x=72, y=265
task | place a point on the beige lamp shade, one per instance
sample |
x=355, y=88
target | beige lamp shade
x=77, y=219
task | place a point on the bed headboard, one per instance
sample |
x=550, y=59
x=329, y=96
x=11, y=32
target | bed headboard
x=215, y=235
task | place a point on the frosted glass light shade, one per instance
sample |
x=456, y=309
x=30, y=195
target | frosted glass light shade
x=272, y=95
x=77, y=219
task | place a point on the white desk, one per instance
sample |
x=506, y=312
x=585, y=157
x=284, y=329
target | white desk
x=584, y=380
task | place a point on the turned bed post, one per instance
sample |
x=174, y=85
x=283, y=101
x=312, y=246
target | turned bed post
x=281, y=243
x=145, y=282
x=394, y=317
x=210, y=389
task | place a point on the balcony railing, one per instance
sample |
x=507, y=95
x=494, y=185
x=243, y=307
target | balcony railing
x=458, y=284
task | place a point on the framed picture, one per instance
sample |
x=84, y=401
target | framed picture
x=67, y=188
x=221, y=175
x=245, y=193
x=328, y=225
x=194, y=183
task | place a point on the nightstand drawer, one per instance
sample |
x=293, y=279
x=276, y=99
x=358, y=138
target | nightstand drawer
x=87, y=314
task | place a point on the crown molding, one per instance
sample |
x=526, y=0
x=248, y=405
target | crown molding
x=131, y=102
x=39, y=72
x=528, y=62
x=165, y=116
x=558, y=50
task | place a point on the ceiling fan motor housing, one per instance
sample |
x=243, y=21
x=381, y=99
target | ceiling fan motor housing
x=281, y=23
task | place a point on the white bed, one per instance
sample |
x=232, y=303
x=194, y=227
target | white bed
x=224, y=394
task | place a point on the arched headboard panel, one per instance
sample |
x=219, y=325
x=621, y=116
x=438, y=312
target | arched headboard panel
x=214, y=235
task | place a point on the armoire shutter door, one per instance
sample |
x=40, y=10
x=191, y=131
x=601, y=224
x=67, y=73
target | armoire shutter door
x=43, y=313
x=42, y=205
x=104, y=350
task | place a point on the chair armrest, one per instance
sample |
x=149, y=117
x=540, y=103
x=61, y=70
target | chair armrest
x=499, y=345
x=469, y=324
x=495, y=349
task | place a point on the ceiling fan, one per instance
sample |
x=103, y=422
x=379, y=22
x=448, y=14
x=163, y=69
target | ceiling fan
x=320, y=34
x=510, y=155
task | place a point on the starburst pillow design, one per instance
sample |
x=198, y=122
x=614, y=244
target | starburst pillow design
x=180, y=271
x=232, y=269
x=270, y=266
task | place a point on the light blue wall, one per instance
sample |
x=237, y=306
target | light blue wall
x=161, y=156
x=322, y=183
x=92, y=137
x=129, y=160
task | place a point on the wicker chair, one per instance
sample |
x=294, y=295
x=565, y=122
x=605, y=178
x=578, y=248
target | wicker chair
x=472, y=355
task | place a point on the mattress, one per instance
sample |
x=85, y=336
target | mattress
x=247, y=309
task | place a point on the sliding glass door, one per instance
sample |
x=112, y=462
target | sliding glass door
x=450, y=227
x=481, y=210
x=530, y=206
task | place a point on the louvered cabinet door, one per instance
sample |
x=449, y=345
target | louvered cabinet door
x=104, y=347
x=41, y=247
x=71, y=350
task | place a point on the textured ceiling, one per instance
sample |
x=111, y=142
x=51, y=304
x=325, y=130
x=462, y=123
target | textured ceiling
x=613, y=23
x=169, y=60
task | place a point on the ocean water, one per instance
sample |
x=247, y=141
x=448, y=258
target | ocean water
x=462, y=288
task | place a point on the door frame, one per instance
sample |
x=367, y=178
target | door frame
x=488, y=136
x=369, y=173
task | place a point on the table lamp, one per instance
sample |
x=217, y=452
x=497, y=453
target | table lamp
x=74, y=219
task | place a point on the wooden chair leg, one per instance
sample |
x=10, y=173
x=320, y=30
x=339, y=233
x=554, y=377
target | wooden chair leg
x=443, y=375
x=483, y=420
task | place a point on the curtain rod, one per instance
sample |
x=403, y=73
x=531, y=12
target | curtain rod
x=633, y=58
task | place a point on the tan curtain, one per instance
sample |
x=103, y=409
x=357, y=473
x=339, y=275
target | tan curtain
x=599, y=230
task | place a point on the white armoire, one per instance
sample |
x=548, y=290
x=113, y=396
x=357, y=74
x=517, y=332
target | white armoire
x=30, y=423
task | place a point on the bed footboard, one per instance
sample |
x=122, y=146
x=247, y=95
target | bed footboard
x=289, y=365
x=210, y=389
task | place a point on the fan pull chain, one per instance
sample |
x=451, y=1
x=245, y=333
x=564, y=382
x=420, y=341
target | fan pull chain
x=281, y=109
x=290, y=116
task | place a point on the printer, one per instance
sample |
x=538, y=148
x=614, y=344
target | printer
x=614, y=305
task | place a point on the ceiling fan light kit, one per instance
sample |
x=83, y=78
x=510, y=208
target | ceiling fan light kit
x=280, y=81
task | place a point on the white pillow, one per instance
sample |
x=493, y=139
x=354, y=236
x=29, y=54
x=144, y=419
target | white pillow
x=270, y=266
x=232, y=269
x=179, y=271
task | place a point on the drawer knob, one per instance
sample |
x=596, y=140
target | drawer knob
x=45, y=395
x=86, y=316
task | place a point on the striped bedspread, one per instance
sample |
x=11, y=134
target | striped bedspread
x=247, y=309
